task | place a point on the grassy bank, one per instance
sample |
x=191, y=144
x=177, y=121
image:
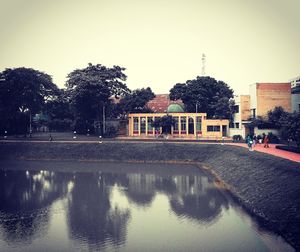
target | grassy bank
x=267, y=186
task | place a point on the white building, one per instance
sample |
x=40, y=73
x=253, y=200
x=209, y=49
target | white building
x=241, y=116
x=295, y=98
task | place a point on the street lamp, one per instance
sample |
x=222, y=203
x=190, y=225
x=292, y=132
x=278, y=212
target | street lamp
x=30, y=122
x=196, y=120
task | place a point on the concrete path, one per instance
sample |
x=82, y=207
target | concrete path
x=272, y=151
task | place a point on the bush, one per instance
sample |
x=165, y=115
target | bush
x=273, y=138
x=288, y=148
x=111, y=131
x=237, y=138
x=60, y=124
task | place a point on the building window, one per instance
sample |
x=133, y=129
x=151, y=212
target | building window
x=143, y=125
x=231, y=125
x=213, y=128
x=135, y=125
x=237, y=125
x=176, y=125
x=183, y=125
x=199, y=124
x=236, y=109
x=150, y=127
x=253, y=113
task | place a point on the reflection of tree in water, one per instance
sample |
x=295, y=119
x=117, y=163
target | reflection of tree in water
x=91, y=217
x=197, y=198
x=24, y=198
x=190, y=196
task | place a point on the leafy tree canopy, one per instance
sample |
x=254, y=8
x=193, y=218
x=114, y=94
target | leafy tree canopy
x=90, y=88
x=59, y=108
x=166, y=122
x=210, y=96
x=291, y=127
x=23, y=92
x=111, y=79
x=23, y=89
x=136, y=100
x=275, y=116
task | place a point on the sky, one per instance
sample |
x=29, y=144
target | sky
x=159, y=42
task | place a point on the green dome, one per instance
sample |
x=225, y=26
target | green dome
x=175, y=108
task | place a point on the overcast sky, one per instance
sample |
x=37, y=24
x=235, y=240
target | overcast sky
x=159, y=42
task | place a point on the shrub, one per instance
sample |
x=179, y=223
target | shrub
x=237, y=138
x=111, y=131
x=273, y=138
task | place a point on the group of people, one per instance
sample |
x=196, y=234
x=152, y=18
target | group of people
x=253, y=140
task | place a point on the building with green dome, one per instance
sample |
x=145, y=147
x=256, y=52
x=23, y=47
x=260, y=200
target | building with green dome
x=175, y=108
x=186, y=125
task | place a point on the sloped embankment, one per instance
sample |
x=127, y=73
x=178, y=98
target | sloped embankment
x=267, y=186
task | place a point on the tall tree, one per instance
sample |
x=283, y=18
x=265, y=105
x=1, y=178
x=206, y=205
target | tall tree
x=291, y=127
x=206, y=95
x=90, y=89
x=275, y=116
x=59, y=111
x=23, y=91
x=136, y=100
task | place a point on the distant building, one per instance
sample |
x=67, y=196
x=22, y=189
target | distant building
x=241, y=115
x=160, y=103
x=266, y=96
x=187, y=125
x=295, y=83
x=295, y=86
x=263, y=98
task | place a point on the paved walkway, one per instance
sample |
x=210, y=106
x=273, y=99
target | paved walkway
x=272, y=151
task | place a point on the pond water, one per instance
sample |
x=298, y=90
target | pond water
x=122, y=207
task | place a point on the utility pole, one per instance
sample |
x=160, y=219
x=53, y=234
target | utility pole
x=196, y=119
x=30, y=126
x=103, y=118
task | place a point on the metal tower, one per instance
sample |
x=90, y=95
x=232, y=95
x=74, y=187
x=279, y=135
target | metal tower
x=203, y=64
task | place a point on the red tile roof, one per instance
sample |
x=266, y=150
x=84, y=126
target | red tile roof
x=161, y=102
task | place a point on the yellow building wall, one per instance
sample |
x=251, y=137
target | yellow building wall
x=271, y=95
x=245, y=107
x=204, y=124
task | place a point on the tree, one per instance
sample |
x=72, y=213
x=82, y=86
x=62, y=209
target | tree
x=275, y=116
x=23, y=91
x=166, y=122
x=90, y=89
x=136, y=100
x=290, y=124
x=59, y=111
x=206, y=94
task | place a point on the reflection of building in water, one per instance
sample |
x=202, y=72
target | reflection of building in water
x=191, y=185
x=190, y=196
x=141, y=188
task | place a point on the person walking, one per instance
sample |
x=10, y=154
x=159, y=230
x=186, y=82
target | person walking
x=249, y=142
x=255, y=140
x=266, y=141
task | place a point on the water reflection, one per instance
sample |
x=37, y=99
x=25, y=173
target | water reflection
x=25, y=198
x=92, y=219
x=90, y=216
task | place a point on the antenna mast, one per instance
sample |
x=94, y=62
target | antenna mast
x=203, y=64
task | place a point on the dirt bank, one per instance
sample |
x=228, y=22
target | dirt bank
x=267, y=186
